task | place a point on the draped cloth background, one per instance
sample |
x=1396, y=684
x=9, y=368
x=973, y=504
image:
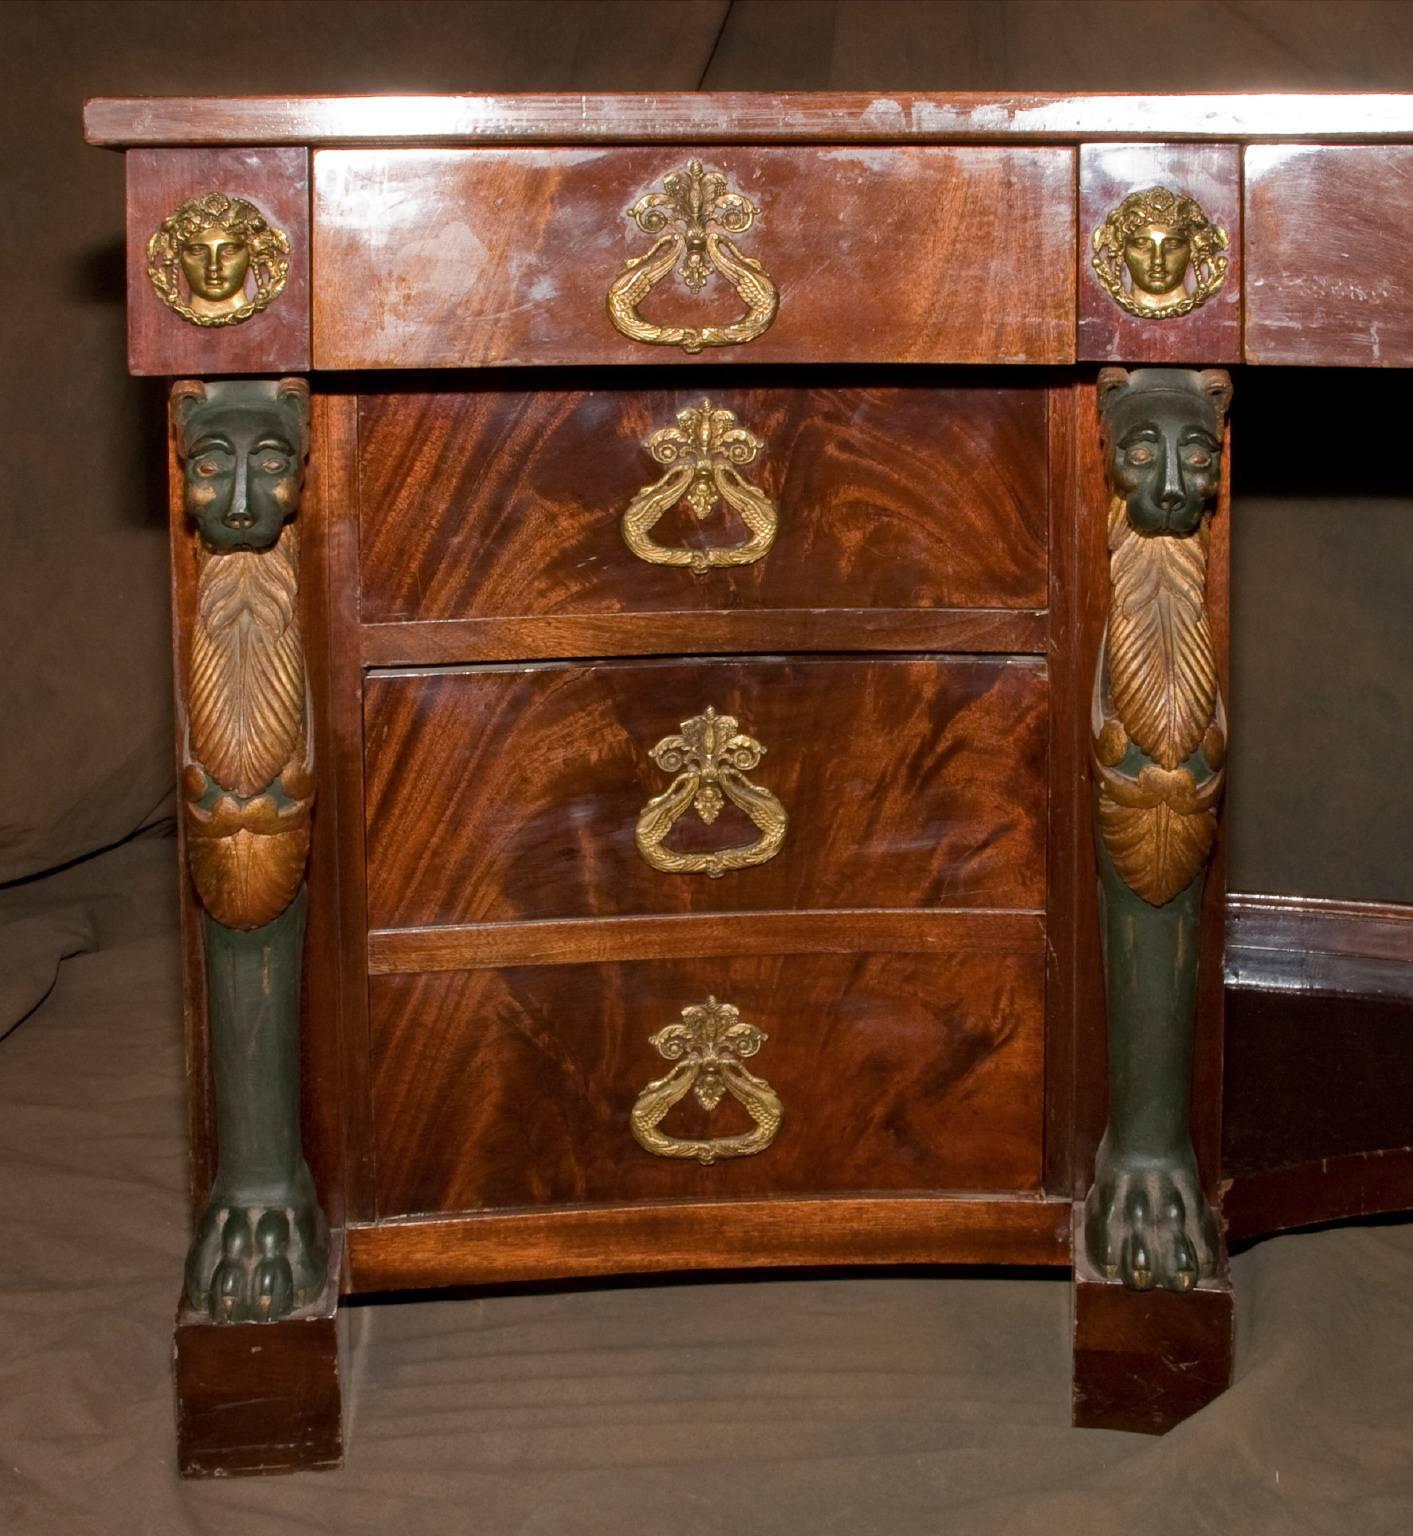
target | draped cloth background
x=860, y=1405
x=874, y=1404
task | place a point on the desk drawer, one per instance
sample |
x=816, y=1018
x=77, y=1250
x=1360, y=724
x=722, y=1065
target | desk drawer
x=464, y=258
x=595, y=790
x=895, y=1071
x=487, y=504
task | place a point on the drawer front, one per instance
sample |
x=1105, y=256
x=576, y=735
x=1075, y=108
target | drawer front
x=469, y=257
x=505, y=503
x=1327, y=278
x=496, y=1088
x=505, y=794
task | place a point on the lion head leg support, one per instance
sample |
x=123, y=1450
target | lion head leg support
x=1159, y=743
x=261, y=1246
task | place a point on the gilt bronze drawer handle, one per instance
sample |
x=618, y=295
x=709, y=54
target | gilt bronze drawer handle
x=217, y=260
x=695, y=218
x=709, y=1047
x=710, y=758
x=1158, y=237
x=701, y=453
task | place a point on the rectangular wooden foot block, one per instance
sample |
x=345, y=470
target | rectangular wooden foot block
x=1146, y=1360
x=259, y=1397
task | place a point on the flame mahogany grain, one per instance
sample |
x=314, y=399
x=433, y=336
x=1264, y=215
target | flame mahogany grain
x=512, y=793
x=466, y=258
x=508, y=502
x=899, y=1071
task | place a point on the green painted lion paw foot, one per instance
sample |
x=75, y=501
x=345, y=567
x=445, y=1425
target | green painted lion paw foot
x=1148, y=1223
x=257, y=1263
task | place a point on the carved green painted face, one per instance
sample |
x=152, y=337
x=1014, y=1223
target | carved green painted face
x=1164, y=433
x=243, y=452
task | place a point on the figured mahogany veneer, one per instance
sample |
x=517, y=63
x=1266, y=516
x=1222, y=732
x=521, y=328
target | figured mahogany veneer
x=464, y=258
x=512, y=793
x=901, y=1071
x=479, y=504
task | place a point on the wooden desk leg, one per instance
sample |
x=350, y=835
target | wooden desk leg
x=260, y=1397
x=257, y=1380
x=1145, y=1360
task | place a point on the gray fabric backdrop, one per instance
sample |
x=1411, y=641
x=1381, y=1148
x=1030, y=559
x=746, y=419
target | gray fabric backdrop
x=1323, y=645
x=877, y=1406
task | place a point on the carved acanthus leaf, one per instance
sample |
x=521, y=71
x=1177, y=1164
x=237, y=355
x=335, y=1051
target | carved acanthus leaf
x=1162, y=670
x=246, y=696
x=1156, y=849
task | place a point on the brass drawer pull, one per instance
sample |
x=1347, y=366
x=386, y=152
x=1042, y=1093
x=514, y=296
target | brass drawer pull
x=708, y=215
x=709, y=1047
x=710, y=758
x=701, y=452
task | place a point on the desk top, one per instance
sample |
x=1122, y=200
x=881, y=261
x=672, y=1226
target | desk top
x=741, y=118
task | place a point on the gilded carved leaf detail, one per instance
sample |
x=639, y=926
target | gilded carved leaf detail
x=1162, y=671
x=246, y=700
x=1157, y=850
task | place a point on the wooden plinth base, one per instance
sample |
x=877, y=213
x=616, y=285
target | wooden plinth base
x=1146, y=1360
x=260, y=1397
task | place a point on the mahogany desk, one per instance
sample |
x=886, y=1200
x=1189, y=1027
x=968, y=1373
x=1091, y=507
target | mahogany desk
x=700, y=634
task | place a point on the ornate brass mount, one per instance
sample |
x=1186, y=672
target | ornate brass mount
x=706, y=215
x=223, y=247
x=1158, y=237
x=709, y=1047
x=711, y=759
x=701, y=452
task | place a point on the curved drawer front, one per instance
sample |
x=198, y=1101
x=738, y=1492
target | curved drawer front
x=491, y=504
x=475, y=257
x=496, y=1088
x=587, y=790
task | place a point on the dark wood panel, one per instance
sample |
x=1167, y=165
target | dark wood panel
x=504, y=794
x=514, y=1087
x=1146, y=1360
x=648, y=1239
x=1311, y=944
x=335, y=1031
x=1314, y=1075
x=509, y=502
x=196, y=1034
x=1075, y=1032
x=446, y=642
x=1345, y=1188
x=723, y=117
x=260, y=1397
x=469, y=258
x=393, y=950
x=1210, y=173
x=1326, y=278
x=276, y=340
